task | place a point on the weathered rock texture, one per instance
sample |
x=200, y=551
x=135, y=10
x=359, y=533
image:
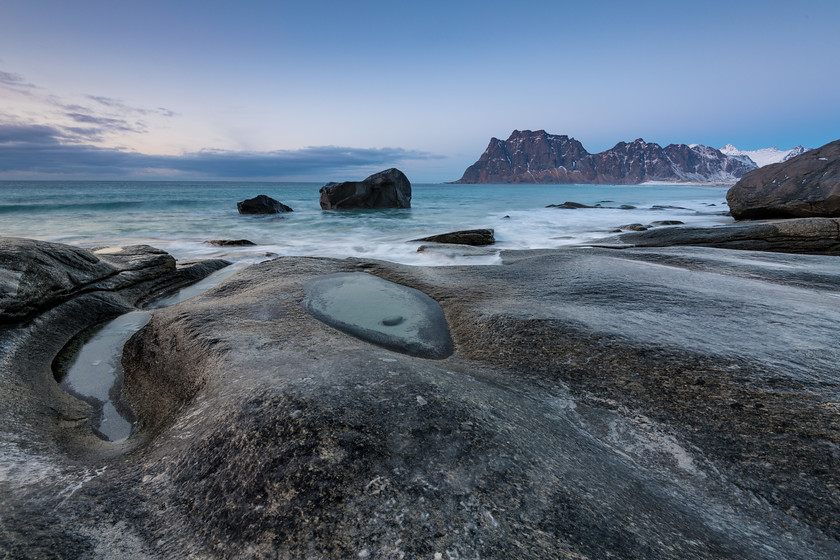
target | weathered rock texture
x=598, y=404
x=475, y=237
x=386, y=189
x=37, y=275
x=261, y=204
x=538, y=157
x=817, y=236
x=805, y=186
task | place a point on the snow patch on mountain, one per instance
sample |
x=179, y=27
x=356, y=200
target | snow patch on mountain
x=764, y=156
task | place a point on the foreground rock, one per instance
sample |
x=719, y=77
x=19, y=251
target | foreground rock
x=474, y=237
x=36, y=276
x=386, y=189
x=818, y=236
x=598, y=404
x=805, y=186
x=261, y=204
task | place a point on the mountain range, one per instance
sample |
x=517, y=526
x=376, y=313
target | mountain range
x=538, y=157
x=764, y=156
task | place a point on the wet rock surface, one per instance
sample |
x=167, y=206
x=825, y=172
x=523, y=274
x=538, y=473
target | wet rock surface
x=475, y=237
x=807, y=185
x=38, y=275
x=386, y=189
x=230, y=242
x=599, y=403
x=820, y=236
x=577, y=205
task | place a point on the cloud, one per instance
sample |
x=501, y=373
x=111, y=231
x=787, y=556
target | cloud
x=27, y=134
x=37, y=150
x=121, y=106
x=107, y=124
x=15, y=82
x=107, y=116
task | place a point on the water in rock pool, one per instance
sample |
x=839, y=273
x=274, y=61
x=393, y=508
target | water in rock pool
x=95, y=374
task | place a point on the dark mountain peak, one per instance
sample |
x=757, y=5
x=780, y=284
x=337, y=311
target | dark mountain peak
x=537, y=135
x=526, y=134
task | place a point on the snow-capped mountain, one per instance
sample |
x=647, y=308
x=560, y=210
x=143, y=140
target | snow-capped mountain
x=764, y=156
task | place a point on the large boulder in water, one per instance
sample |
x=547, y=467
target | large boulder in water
x=386, y=189
x=803, y=187
x=261, y=204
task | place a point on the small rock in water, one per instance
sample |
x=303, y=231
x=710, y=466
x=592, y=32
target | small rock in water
x=633, y=227
x=666, y=223
x=473, y=237
x=570, y=205
x=230, y=242
x=261, y=204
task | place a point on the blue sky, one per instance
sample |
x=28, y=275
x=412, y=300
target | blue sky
x=330, y=90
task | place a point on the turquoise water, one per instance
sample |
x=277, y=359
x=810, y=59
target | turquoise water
x=180, y=216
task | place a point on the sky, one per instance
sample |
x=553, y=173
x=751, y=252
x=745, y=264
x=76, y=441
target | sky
x=328, y=90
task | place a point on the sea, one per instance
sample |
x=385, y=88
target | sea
x=180, y=217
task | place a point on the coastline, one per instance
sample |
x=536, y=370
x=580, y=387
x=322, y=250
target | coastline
x=181, y=217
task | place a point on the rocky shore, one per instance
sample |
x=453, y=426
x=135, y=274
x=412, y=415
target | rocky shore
x=673, y=402
x=810, y=236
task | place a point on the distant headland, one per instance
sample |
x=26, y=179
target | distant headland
x=539, y=157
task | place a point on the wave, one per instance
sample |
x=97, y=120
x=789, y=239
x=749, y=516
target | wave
x=101, y=206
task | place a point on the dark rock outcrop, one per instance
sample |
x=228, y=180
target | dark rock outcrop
x=818, y=236
x=230, y=242
x=39, y=275
x=475, y=237
x=386, y=189
x=261, y=204
x=538, y=157
x=633, y=227
x=807, y=185
x=571, y=205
